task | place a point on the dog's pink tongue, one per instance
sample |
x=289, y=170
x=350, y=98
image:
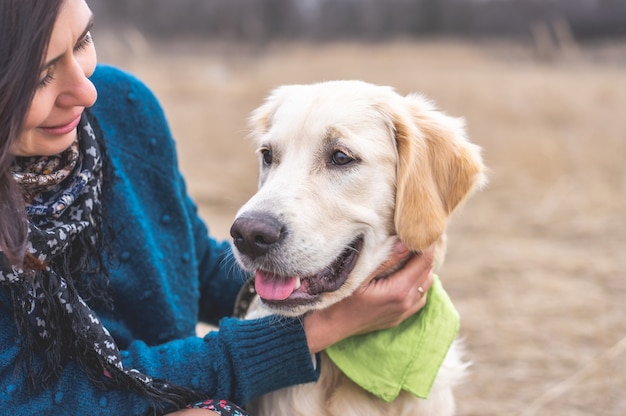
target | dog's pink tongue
x=271, y=287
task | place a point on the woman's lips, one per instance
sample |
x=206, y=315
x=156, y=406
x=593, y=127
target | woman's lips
x=64, y=128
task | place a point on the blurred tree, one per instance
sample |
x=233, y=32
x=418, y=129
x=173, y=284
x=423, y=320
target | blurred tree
x=371, y=19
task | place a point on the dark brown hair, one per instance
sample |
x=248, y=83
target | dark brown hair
x=25, y=30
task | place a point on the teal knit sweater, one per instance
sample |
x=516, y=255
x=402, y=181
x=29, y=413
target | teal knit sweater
x=167, y=275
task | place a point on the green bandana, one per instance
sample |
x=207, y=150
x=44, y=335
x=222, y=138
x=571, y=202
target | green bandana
x=406, y=357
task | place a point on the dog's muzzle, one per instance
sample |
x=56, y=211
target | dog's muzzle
x=256, y=234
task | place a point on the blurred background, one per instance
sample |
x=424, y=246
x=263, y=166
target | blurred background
x=536, y=260
x=265, y=20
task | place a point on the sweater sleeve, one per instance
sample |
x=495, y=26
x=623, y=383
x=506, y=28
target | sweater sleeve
x=241, y=361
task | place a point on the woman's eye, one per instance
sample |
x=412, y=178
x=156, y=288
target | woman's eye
x=266, y=155
x=340, y=158
x=84, y=42
x=47, y=78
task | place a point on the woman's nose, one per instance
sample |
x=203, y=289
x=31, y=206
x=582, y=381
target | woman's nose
x=78, y=90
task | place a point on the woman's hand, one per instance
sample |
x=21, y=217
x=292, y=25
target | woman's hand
x=377, y=304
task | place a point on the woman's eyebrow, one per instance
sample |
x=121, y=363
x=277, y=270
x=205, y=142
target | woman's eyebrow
x=82, y=35
x=87, y=29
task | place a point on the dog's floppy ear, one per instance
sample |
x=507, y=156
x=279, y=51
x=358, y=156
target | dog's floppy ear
x=260, y=119
x=437, y=169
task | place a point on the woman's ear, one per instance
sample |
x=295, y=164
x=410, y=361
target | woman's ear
x=437, y=169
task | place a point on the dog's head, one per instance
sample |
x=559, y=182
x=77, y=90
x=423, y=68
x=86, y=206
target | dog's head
x=346, y=167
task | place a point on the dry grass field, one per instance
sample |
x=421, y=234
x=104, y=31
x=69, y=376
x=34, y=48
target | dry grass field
x=536, y=263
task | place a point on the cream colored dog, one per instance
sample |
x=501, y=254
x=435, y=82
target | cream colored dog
x=347, y=168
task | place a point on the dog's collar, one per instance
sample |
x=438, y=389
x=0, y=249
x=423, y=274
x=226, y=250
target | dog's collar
x=407, y=357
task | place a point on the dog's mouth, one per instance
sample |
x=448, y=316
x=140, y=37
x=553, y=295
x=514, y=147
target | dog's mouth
x=284, y=291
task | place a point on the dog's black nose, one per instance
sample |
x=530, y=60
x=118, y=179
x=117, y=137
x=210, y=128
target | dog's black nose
x=255, y=233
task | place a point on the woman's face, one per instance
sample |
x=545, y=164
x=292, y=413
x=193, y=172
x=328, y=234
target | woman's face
x=64, y=89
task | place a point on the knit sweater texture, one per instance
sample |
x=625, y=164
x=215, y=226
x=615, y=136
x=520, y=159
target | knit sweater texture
x=167, y=273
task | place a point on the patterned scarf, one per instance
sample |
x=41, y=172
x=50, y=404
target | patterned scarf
x=64, y=211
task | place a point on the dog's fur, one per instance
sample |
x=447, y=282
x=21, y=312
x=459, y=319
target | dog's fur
x=348, y=166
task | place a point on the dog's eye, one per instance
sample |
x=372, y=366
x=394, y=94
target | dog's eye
x=266, y=155
x=340, y=158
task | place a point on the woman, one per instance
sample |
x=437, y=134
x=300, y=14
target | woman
x=105, y=267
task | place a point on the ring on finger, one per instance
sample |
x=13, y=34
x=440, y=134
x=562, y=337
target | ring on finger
x=421, y=291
